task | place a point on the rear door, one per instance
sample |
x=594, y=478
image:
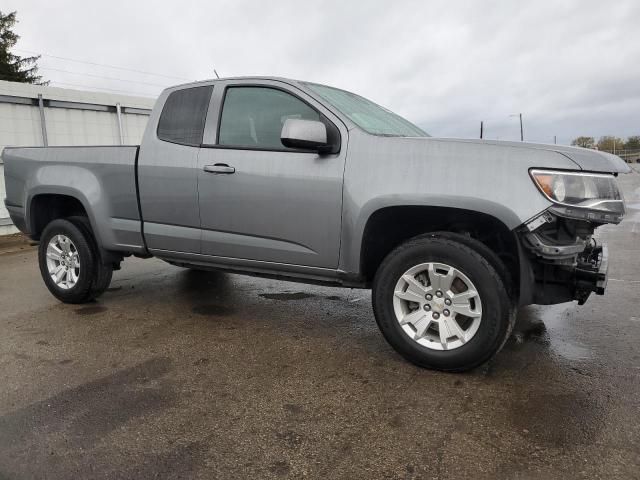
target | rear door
x=272, y=204
x=168, y=170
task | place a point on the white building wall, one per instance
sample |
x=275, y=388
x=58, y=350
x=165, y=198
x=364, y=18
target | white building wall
x=90, y=119
x=19, y=125
x=134, y=126
x=5, y=222
x=81, y=127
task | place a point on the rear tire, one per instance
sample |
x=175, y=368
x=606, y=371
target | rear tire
x=102, y=280
x=411, y=287
x=67, y=262
x=103, y=273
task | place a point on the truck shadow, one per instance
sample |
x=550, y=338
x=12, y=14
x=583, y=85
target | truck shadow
x=208, y=292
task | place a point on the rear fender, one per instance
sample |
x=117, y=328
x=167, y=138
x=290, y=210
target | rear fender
x=75, y=182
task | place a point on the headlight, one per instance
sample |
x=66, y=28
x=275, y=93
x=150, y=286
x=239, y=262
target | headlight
x=588, y=196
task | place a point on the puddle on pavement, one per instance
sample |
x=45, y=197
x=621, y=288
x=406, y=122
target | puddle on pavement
x=570, y=351
x=563, y=419
x=113, y=400
x=548, y=325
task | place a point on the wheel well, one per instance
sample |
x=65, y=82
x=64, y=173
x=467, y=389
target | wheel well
x=389, y=227
x=47, y=207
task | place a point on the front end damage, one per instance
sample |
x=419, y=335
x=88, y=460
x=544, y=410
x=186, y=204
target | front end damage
x=560, y=258
x=565, y=260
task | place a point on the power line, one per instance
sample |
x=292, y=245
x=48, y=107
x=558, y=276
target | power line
x=101, y=64
x=100, y=76
x=98, y=89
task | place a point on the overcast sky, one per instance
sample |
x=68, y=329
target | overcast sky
x=571, y=67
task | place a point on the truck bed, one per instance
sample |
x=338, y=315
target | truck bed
x=102, y=178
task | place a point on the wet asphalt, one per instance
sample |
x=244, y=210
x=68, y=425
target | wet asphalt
x=183, y=374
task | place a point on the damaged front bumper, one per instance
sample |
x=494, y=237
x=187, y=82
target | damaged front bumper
x=563, y=261
x=592, y=272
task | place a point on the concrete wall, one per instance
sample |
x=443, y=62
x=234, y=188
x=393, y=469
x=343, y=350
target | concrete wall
x=71, y=117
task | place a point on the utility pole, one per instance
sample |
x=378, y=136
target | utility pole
x=555, y=140
x=481, y=128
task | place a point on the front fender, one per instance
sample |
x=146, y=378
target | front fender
x=351, y=259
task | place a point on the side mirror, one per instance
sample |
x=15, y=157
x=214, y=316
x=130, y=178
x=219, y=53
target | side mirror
x=304, y=134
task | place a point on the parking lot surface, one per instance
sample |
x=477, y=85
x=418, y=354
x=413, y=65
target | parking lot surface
x=184, y=374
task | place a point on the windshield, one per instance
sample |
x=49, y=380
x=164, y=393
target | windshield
x=367, y=115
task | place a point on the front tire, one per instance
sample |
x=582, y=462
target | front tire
x=68, y=263
x=441, y=304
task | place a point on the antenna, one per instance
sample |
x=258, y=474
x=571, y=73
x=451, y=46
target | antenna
x=214, y=71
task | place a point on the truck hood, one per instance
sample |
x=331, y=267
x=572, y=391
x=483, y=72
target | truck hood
x=587, y=159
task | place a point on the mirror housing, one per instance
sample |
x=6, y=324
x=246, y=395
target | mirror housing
x=304, y=135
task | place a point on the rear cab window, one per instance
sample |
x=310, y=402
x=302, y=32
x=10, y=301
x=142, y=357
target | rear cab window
x=183, y=116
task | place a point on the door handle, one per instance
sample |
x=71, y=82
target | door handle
x=219, y=168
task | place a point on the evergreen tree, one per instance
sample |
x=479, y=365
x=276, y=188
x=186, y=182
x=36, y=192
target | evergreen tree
x=14, y=68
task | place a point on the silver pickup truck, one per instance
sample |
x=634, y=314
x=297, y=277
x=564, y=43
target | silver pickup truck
x=300, y=181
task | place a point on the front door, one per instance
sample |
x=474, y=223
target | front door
x=260, y=200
